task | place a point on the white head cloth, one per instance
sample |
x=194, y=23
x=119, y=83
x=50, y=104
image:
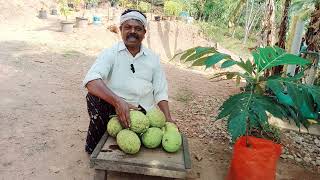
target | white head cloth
x=133, y=15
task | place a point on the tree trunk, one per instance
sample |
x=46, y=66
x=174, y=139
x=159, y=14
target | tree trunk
x=282, y=33
x=284, y=25
x=313, y=43
x=268, y=24
x=268, y=27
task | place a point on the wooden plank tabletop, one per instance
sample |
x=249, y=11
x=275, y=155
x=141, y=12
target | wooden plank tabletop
x=155, y=162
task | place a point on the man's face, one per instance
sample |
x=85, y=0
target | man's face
x=132, y=32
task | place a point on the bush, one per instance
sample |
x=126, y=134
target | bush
x=144, y=6
x=173, y=8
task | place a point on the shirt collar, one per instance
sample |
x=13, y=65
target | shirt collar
x=122, y=47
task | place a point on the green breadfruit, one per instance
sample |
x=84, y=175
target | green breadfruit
x=152, y=137
x=171, y=141
x=128, y=141
x=171, y=127
x=156, y=118
x=114, y=127
x=139, y=122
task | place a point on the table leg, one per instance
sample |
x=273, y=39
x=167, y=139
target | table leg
x=100, y=174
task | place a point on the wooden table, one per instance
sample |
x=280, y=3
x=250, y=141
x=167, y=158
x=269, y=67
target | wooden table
x=153, y=162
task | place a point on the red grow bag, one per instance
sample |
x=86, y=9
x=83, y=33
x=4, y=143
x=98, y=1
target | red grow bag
x=256, y=162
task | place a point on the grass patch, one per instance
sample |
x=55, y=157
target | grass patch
x=70, y=54
x=225, y=39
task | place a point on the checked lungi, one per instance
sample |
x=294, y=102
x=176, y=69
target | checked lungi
x=99, y=112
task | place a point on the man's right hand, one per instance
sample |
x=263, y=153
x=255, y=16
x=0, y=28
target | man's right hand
x=99, y=89
x=123, y=112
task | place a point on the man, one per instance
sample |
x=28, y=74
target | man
x=124, y=77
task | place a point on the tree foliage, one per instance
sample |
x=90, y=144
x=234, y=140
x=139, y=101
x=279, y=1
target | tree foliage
x=283, y=97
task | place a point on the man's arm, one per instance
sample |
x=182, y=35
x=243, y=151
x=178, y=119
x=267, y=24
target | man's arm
x=164, y=107
x=98, y=88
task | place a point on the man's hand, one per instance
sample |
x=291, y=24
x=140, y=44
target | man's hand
x=123, y=112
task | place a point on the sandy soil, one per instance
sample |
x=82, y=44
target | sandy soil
x=43, y=110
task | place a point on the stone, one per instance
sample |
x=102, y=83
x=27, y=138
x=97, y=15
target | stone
x=198, y=157
x=284, y=156
x=313, y=163
x=298, y=159
x=290, y=157
x=307, y=159
x=316, y=141
x=299, y=155
x=54, y=169
x=310, y=149
x=318, y=162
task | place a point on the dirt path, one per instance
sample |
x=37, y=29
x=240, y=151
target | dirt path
x=43, y=111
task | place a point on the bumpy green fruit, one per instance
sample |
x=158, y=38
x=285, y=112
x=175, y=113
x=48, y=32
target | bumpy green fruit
x=171, y=141
x=114, y=127
x=156, y=118
x=128, y=141
x=152, y=138
x=171, y=127
x=139, y=122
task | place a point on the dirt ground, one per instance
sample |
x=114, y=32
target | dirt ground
x=43, y=117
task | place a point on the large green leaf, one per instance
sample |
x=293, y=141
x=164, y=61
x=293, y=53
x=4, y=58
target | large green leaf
x=247, y=66
x=303, y=99
x=199, y=62
x=237, y=125
x=199, y=54
x=187, y=53
x=247, y=105
x=228, y=63
x=215, y=58
x=268, y=57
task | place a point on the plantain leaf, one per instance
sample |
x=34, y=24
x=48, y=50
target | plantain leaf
x=228, y=63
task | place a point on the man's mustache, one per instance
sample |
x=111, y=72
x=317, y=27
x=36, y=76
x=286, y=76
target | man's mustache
x=133, y=36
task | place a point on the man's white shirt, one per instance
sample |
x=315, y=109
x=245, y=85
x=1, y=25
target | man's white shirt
x=146, y=86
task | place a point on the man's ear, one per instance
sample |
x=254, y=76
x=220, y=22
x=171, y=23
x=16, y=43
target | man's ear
x=120, y=27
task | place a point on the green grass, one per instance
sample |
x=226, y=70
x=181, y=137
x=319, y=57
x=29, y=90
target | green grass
x=224, y=38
